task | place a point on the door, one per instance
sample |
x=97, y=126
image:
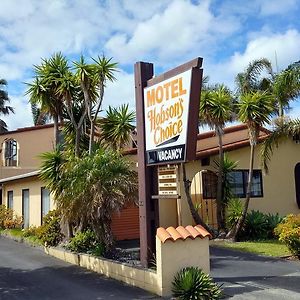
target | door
x=297, y=183
x=25, y=208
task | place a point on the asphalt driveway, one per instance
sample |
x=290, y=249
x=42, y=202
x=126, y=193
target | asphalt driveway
x=26, y=273
x=248, y=276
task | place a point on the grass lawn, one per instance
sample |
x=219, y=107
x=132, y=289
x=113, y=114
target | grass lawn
x=17, y=232
x=267, y=247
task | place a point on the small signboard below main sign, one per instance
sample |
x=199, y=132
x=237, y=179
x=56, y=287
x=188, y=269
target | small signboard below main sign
x=166, y=111
x=168, y=181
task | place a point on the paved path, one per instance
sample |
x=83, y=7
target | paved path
x=248, y=276
x=27, y=273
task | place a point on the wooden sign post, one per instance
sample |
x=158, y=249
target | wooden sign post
x=167, y=108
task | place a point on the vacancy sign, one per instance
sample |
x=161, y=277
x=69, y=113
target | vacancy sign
x=166, y=111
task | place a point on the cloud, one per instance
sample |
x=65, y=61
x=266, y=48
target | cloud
x=178, y=31
x=121, y=91
x=22, y=116
x=165, y=32
x=286, y=46
x=276, y=7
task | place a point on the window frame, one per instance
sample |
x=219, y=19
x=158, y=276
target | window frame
x=245, y=180
x=23, y=207
x=11, y=159
x=42, y=189
x=209, y=185
x=7, y=200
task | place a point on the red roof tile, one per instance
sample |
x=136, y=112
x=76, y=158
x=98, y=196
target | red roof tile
x=204, y=150
x=181, y=233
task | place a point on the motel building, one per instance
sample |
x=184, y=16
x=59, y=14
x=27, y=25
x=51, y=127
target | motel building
x=26, y=194
x=276, y=192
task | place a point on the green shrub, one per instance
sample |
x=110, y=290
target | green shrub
x=31, y=231
x=193, y=283
x=85, y=242
x=259, y=226
x=256, y=226
x=8, y=220
x=289, y=233
x=234, y=212
x=49, y=233
x=272, y=221
x=98, y=250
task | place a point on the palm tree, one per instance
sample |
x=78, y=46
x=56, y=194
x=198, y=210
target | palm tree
x=284, y=128
x=4, y=109
x=104, y=72
x=215, y=110
x=87, y=79
x=252, y=78
x=43, y=92
x=39, y=117
x=89, y=189
x=254, y=109
x=286, y=87
x=93, y=79
x=57, y=90
x=228, y=167
x=117, y=126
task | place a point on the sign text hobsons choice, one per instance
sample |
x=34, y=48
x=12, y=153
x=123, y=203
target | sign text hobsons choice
x=168, y=115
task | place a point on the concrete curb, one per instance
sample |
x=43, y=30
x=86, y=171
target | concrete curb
x=21, y=240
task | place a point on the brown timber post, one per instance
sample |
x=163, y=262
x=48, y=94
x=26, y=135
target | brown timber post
x=142, y=73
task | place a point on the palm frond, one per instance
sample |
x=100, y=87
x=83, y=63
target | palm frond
x=283, y=129
x=250, y=79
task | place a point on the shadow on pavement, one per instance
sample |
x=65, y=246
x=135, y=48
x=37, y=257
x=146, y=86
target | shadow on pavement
x=63, y=283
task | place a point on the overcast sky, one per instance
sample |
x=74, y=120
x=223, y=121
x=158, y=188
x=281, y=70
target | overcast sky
x=226, y=33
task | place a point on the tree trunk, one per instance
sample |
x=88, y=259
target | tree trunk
x=77, y=141
x=195, y=215
x=221, y=223
x=236, y=229
x=281, y=111
x=92, y=134
x=56, y=131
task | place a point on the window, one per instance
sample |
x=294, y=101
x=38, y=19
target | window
x=239, y=179
x=45, y=197
x=25, y=208
x=11, y=153
x=209, y=184
x=10, y=199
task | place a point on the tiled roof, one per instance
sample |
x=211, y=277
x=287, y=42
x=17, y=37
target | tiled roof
x=208, y=143
x=181, y=233
x=37, y=127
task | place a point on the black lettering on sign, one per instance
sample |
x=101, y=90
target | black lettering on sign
x=166, y=155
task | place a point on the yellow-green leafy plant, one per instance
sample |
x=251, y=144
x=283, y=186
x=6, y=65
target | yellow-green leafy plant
x=49, y=233
x=193, y=283
x=8, y=220
x=289, y=233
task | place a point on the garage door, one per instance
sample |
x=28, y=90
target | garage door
x=125, y=224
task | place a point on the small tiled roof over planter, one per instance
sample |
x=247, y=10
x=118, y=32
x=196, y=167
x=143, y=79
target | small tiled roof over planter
x=182, y=233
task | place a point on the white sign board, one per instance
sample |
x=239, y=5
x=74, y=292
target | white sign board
x=166, y=119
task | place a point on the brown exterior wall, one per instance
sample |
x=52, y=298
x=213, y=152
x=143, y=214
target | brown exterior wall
x=31, y=143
